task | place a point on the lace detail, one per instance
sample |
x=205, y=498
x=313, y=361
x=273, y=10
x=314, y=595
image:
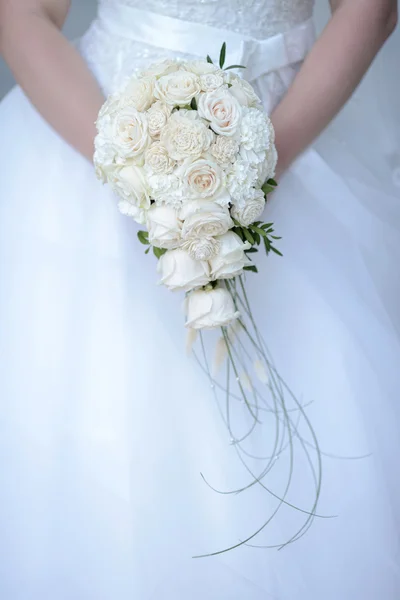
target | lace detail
x=113, y=57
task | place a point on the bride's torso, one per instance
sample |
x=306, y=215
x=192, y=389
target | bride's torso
x=113, y=53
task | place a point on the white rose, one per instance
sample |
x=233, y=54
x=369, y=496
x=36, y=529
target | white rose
x=224, y=149
x=140, y=92
x=211, y=81
x=202, y=178
x=159, y=69
x=206, y=309
x=204, y=219
x=130, y=184
x=201, y=67
x=164, y=227
x=222, y=110
x=158, y=160
x=251, y=211
x=244, y=93
x=185, y=135
x=177, y=89
x=179, y=271
x=157, y=117
x=231, y=258
x=203, y=248
x=130, y=134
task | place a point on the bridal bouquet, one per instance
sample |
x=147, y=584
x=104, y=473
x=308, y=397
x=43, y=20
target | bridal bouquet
x=190, y=153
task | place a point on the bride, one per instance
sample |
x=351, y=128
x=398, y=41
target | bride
x=105, y=423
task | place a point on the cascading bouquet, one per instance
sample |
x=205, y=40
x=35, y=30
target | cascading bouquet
x=190, y=153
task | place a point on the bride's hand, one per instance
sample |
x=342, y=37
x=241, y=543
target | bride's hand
x=331, y=72
x=51, y=72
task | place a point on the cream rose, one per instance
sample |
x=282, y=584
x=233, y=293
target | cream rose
x=244, y=93
x=224, y=149
x=251, y=210
x=177, y=89
x=202, y=178
x=130, y=184
x=203, y=248
x=231, y=258
x=158, y=160
x=159, y=69
x=201, y=67
x=179, y=271
x=185, y=135
x=207, y=309
x=157, y=117
x=130, y=135
x=222, y=110
x=204, y=219
x=140, y=92
x=164, y=227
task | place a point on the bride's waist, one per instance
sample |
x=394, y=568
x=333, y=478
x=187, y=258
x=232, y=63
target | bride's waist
x=124, y=40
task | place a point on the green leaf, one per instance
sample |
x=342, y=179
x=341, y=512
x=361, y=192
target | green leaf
x=276, y=237
x=267, y=188
x=209, y=60
x=193, y=104
x=147, y=250
x=222, y=55
x=258, y=230
x=248, y=236
x=158, y=252
x=267, y=245
x=252, y=268
x=239, y=232
x=143, y=237
x=276, y=251
x=272, y=182
x=257, y=238
x=234, y=67
x=266, y=225
x=251, y=250
x=236, y=222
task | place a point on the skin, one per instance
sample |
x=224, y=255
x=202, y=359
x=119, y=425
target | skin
x=58, y=83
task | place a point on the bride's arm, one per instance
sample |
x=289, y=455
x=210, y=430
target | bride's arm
x=48, y=68
x=331, y=72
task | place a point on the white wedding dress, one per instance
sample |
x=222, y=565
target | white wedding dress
x=106, y=424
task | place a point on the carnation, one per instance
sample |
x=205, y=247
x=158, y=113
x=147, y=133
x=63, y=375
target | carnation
x=241, y=179
x=256, y=131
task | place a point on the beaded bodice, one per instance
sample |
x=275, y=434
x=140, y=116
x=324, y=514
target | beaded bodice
x=113, y=54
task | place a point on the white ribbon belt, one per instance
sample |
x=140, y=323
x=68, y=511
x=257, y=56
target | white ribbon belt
x=187, y=37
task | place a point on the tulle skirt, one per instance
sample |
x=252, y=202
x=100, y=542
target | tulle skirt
x=109, y=431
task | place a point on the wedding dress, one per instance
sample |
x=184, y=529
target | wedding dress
x=106, y=425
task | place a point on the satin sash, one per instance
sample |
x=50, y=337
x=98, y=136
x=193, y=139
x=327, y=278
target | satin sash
x=259, y=56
